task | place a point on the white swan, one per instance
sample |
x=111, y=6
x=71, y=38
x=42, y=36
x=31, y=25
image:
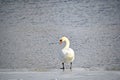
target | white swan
x=68, y=54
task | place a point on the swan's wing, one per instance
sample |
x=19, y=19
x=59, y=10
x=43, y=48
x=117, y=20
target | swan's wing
x=71, y=51
x=68, y=55
x=68, y=51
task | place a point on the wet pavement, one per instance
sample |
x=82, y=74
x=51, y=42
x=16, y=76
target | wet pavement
x=75, y=74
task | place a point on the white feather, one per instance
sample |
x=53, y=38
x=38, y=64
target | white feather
x=67, y=54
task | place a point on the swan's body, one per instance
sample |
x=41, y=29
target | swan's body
x=67, y=55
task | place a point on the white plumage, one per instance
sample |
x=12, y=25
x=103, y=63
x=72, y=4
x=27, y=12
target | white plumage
x=67, y=55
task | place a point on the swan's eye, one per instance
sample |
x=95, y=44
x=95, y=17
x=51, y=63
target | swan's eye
x=60, y=40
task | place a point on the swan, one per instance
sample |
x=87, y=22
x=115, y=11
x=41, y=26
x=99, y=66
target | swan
x=67, y=55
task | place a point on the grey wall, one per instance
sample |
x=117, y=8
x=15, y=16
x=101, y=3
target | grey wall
x=30, y=31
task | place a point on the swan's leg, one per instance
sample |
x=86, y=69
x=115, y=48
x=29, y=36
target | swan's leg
x=71, y=65
x=63, y=66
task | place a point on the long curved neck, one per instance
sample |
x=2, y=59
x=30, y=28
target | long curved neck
x=67, y=43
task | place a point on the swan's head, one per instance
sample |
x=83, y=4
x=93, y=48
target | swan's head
x=63, y=39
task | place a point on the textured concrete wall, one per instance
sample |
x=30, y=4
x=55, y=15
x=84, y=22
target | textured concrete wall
x=30, y=31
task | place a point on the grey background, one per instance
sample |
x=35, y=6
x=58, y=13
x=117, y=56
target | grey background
x=30, y=32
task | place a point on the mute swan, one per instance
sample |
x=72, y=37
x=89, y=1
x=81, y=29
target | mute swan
x=68, y=54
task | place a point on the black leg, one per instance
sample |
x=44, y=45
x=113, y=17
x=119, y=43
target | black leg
x=63, y=66
x=71, y=65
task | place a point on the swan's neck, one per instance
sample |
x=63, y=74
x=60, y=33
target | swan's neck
x=67, y=43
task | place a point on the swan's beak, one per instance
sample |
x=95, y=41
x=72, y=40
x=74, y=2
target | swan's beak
x=60, y=42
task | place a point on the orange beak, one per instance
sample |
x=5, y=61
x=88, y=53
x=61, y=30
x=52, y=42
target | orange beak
x=60, y=42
